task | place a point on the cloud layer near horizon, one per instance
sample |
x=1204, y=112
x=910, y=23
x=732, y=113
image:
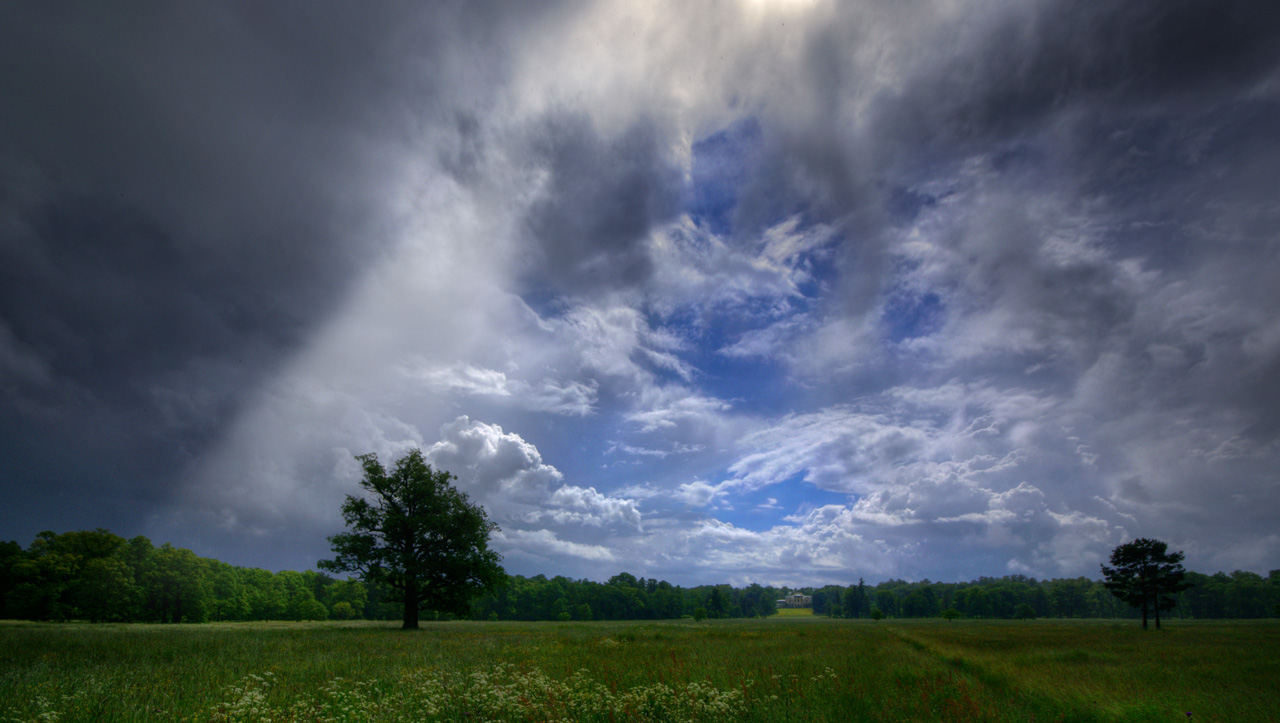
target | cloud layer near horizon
x=787, y=292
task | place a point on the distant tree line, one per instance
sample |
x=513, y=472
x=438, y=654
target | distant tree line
x=623, y=597
x=1236, y=595
x=98, y=576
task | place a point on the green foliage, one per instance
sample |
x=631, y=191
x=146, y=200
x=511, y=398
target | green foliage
x=312, y=610
x=1145, y=575
x=1024, y=612
x=229, y=597
x=64, y=576
x=178, y=591
x=699, y=614
x=827, y=601
x=855, y=602
x=419, y=536
x=105, y=591
x=921, y=602
x=342, y=611
x=888, y=598
x=301, y=603
x=950, y=614
x=11, y=554
x=716, y=606
x=877, y=614
x=100, y=577
x=351, y=593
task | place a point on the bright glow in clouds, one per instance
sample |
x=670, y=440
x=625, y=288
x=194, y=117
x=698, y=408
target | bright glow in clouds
x=780, y=292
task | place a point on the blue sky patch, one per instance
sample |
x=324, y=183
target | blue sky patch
x=908, y=317
x=721, y=165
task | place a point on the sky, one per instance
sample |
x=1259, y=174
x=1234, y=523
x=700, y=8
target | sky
x=793, y=292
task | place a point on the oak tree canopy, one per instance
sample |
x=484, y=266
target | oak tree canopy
x=417, y=534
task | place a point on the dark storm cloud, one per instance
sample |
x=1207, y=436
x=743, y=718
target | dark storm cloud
x=995, y=81
x=1143, y=121
x=1117, y=228
x=186, y=191
x=603, y=196
x=1158, y=118
x=1031, y=64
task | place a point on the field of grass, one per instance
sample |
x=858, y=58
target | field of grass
x=807, y=669
x=795, y=612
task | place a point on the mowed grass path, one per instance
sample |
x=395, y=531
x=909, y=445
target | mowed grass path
x=794, y=668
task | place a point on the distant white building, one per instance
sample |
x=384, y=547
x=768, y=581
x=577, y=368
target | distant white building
x=796, y=601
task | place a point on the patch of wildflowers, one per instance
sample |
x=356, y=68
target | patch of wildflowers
x=503, y=693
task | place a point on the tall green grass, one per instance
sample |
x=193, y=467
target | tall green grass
x=795, y=612
x=806, y=668
x=1215, y=670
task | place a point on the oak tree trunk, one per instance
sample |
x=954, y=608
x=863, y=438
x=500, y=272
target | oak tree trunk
x=410, y=606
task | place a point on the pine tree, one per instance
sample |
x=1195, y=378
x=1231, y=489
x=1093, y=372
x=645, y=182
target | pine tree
x=1146, y=576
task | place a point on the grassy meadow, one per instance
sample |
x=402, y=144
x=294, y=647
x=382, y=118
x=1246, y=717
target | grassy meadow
x=785, y=668
x=795, y=613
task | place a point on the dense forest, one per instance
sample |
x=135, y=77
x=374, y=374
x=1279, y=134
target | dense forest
x=101, y=577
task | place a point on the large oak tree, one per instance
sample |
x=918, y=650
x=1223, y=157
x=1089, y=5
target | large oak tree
x=417, y=534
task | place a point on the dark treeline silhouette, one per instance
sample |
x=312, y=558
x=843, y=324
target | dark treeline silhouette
x=1236, y=595
x=98, y=576
x=623, y=597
